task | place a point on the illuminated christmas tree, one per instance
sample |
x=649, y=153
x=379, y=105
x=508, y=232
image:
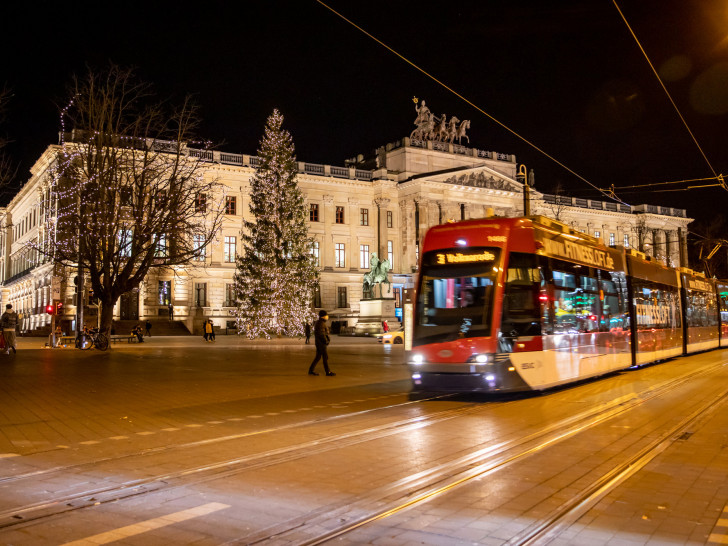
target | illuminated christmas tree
x=276, y=275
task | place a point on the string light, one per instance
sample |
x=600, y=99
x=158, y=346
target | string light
x=275, y=276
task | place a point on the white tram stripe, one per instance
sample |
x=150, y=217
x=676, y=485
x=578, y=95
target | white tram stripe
x=148, y=525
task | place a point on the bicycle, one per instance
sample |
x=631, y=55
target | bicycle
x=92, y=338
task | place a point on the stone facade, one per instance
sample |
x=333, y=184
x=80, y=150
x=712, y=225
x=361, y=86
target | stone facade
x=382, y=204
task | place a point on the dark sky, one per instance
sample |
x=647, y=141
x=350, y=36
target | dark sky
x=566, y=75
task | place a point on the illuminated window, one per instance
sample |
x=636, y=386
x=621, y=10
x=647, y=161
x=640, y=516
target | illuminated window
x=165, y=292
x=231, y=205
x=229, y=249
x=125, y=242
x=626, y=241
x=315, y=252
x=198, y=242
x=161, y=250
x=313, y=212
x=339, y=215
x=339, y=255
x=363, y=256
x=597, y=234
x=364, y=217
x=611, y=239
x=201, y=203
x=230, y=295
x=390, y=254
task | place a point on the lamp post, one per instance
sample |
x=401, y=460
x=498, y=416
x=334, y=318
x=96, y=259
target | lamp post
x=522, y=177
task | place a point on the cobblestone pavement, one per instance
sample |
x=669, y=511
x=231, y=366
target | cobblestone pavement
x=180, y=441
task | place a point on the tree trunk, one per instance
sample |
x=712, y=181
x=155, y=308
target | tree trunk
x=107, y=315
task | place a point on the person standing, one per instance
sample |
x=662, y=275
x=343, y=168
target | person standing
x=207, y=327
x=307, y=329
x=9, y=321
x=385, y=326
x=148, y=326
x=321, y=340
x=212, y=330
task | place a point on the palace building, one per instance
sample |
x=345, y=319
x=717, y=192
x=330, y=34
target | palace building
x=381, y=204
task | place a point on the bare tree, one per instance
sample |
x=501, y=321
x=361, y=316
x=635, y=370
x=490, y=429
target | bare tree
x=128, y=193
x=555, y=204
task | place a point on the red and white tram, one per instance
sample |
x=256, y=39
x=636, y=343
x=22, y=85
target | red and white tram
x=513, y=304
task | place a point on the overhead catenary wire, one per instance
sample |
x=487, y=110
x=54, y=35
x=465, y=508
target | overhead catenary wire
x=479, y=109
x=654, y=71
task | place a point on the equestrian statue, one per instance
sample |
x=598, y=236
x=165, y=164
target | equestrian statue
x=378, y=275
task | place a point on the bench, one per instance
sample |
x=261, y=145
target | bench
x=117, y=339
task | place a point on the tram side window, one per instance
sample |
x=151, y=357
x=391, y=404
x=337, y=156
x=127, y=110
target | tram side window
x=701, y=309
x=656, y=305
x=576, y=299
x=614, y=302
x=521, y=314
x=723, y=305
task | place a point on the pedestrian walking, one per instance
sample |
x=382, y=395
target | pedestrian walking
x=9, y=322
x=212, y=330
x=207, y=329
x=385, y=326
x=148, y=326
x=307, y=329
x=321, y=339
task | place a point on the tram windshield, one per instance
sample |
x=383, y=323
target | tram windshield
x=455, y=300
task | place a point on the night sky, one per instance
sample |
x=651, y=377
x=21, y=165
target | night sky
x=566, y=75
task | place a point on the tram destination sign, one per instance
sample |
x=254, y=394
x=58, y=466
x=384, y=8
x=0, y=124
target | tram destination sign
x=461, y=257
x=577, y=252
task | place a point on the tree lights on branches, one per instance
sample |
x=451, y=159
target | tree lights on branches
x=276, y=276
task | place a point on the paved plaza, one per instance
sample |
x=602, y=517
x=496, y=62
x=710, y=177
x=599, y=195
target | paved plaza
x=180, y=441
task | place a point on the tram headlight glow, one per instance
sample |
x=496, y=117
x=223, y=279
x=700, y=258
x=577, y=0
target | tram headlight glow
x=482, y=359
x=416, y=376
x=490, y=377
x=418, y=359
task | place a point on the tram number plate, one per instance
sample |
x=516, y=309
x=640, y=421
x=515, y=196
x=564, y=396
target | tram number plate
x=528, y=366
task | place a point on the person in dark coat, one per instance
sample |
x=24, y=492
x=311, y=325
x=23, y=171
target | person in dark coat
x=148, y=326
x=321, y=340
x=307, y=329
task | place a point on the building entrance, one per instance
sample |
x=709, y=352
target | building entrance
x=129, y=305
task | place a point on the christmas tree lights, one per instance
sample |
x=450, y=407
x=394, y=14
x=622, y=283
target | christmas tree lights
x=276, y=276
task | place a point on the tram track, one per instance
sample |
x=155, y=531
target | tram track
x=376, y=504
x=445, y=478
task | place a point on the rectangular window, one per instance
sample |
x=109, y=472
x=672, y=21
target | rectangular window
x=201, y=294
x=317, y=297
x=164, y=292
x=341, y=296
x=389, y=218
x=198, y=242
x=316, y=253
x=313, y=212
x=230, y=295
x=229, y=249
x=201, y=203
x=611, y=239
x=597, y=234
x=364, y=217
x=125, y=242
x=363, y=256
x=231, y=205
x=390, y=254
x=339, y=215
x=339, y=255
x=397, y=297
x=626, y=241
x=161, y=250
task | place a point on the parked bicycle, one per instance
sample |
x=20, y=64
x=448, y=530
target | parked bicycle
x=92, y=338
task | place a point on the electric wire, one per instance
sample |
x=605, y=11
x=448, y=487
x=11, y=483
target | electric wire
x=514, y=133
x=685, y=123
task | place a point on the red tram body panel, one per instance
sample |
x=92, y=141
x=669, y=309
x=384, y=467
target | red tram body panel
x=512, y=304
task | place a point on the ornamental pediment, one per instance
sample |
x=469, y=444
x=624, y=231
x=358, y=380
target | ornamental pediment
x=481, y=179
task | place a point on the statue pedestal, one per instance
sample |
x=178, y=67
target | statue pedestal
x=371, y=314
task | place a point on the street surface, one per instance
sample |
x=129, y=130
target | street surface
x=178, y=441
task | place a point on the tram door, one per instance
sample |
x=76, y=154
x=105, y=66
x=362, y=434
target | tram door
x=129, y=305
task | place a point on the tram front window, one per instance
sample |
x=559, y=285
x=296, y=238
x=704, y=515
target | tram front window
x=454, y=303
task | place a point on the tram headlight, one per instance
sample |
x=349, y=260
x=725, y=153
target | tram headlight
x=480, y=358
x=490, y=377
x=418, y=359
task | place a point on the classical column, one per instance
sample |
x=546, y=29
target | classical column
x=327, y=243
x=407, y=213
x=382, y=234
x=354, y=223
